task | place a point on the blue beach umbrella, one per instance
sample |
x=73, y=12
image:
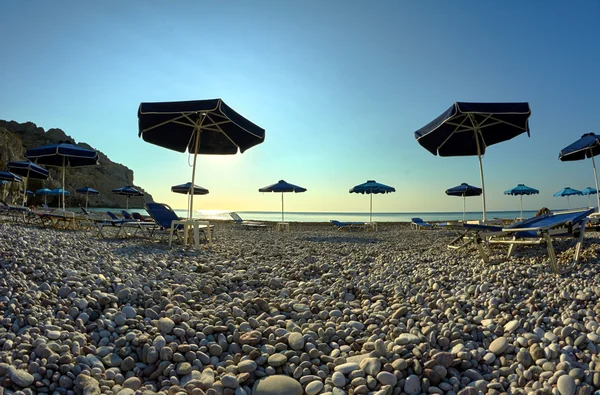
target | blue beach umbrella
x=188, y=190
x=27, y=170
x=372, y=187
x=60, y=192
x=87, y=191
x=568, y=191
x=467, y=129
x=521, y=190
x=127, y=191
x=8, y=176
x=44, y=192
x=207, y=127
x=588, y=192
x=63, y=154
x=465, y=190
x=587, y=146
x=282, y=186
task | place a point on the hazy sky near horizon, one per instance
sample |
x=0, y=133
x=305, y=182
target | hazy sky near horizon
x=339, y=86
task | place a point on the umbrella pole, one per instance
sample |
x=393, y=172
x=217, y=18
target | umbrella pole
x=477, y=133
x=194, y=167
x=63, y=185
x=281, y=206
x=596, y=179
x=371, y=208
x=521, y=206
x=86, y=200
x=25, y=191
x=464, y=207
x=568, y=203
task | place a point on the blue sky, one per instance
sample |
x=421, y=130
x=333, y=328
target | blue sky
x=339, y=86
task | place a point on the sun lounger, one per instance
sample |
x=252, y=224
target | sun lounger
x=246, y=224
x=467, y=233
x=339, y=225
x=140, y=217
x=540, y=230
x=166, y=218
x=418, y=223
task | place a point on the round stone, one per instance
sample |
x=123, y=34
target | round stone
x=346, y=367
x=387, y=378
x=20, y=377
x=296, y=341
x=229, y=381
x=247, y=366
x=412, y=385
x=129, y=312
x=566, y=385
x=499, y=345
x=314, y=387
x=338, y=379
x=276, y=360
x=165, y=325
x=133, y=383
x=277, y=385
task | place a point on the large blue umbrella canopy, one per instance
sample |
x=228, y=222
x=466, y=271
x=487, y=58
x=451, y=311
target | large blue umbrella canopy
x=199, y=127
x=465, y=190
x=282, y=187
x=87, y=191
x=62, y=154
x=521, y=190
x=467, y=129
x=127, y=191
x=587, y=146
x=8, y=176
x=372, y=187
x=27, y=170
x=568, y=191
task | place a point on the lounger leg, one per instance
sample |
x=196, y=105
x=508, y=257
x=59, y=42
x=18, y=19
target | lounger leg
x=580, y=242
x=481, y=249
x=171, y=231
x=511, y=248
x=551, y=254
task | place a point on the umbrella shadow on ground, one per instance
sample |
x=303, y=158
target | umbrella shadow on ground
x=340, y=239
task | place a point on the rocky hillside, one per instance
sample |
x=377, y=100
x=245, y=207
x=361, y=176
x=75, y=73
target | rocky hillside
x=16, y=138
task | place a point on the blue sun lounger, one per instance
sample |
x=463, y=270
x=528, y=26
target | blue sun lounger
x=467, y=233
x=349, y=225
x=539, y=230
x=418, y=223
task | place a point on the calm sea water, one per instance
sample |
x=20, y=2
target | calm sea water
x=341, y=216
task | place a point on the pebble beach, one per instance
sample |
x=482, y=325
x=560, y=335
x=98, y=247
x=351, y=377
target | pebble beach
x=310, y=311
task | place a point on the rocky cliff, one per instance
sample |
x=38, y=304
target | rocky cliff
x=16, y=138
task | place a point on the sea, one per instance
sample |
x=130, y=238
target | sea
x=293, y=216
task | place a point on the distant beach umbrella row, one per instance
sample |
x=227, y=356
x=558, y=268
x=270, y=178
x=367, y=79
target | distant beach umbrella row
x=372, y=187
x=587, y=146
x=282, y=187
x=465, y=190
x=521, y=190
x=87, y=191
x=127, y=191
x=27, y=170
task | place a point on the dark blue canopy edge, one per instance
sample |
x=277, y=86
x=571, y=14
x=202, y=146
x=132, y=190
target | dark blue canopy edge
x=589, y=191
x=43, y=191
x=282, y=186
x=452, y=133
x=87, y=191
x=586, y=147
x=463, y=189
x=521, y=189
x=372, y=186
x=54, y=154
x=28, y=169
x=173, y=125
x=8, y=176
x=127, y=191
x=58, y=191
x=187, y=187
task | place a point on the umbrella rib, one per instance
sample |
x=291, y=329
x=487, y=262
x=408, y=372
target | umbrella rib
x=174, y=120
x=454, y=131
x=225, y=134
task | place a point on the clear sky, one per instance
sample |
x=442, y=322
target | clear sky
x=339, y=86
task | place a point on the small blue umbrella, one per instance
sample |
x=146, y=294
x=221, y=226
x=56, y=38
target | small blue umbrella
x=588, y=192
x=188, y=190
x=62, y=154
x=87, y=191
x=521, y=190
x=372, y=187
x=587, y=146
x=30, y=193
x=127, y=191
x=27, y=170
x=60, y=192
x=467, y=129
x=464, y=190
x=43, y=192
x=568, y=191
x=199, y=127
x=282, y=186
